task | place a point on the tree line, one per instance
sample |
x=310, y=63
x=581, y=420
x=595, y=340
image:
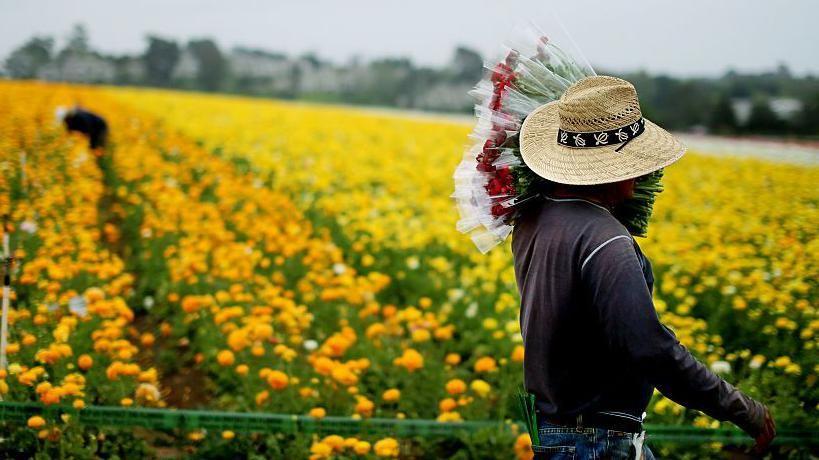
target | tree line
x=772, y=103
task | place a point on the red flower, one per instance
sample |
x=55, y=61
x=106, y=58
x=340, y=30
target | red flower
x=500, y=210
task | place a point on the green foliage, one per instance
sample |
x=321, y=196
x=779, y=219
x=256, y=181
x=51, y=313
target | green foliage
x=160, y=60
x=635, y=212
x=27, y=60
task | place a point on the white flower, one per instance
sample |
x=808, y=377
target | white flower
x=756, y=362
x=471, y=310
x=148, y=302
x=339, y=268
x=413, y=263
x=78, y=306
x=721, y=367
x=29, y=226
x=455, y=294
x=310, y=345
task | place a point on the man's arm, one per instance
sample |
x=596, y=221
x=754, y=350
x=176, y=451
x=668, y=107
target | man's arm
x=622, y=301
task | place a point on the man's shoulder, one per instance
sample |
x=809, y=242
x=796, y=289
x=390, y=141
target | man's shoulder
x=583, y=218
x=579, y=224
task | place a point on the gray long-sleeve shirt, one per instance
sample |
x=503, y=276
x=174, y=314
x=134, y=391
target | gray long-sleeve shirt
x=592, y=338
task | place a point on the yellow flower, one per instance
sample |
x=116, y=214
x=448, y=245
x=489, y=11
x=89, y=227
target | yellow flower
x=480, y=387
x=391, y=395
x=421, y=335
x=387, y=447
x=335, y=441
x=320, y=450
x=449, y=417
x=361, y=448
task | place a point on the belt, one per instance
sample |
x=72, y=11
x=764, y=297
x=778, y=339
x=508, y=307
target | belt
x=616, y=421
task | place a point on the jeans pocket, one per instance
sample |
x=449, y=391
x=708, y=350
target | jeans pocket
x=554, y=452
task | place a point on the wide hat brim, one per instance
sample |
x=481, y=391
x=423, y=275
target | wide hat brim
x=654, y=149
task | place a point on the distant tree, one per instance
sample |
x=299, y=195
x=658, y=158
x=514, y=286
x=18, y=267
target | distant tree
x=763, y=120
x=311, y=59
x=160, y=60
x=212, y=64
x=25, y=61
x=722, y=119
x=391, y=82
x=467, y=65
x=807, y=122
x=783, y=71
x=78, y=40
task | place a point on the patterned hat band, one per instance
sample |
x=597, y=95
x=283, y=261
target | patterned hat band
x=595, y=139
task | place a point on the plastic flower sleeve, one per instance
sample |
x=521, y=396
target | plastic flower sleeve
x=492, y=184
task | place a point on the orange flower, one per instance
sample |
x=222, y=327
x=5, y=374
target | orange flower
x=225, y=358
x=523, y=447
x=277, y=380
x=344, y=376
x=486, y=364
x=364, y=406
x=36, y=422
x=191, y=304
x=411, y=360
x=517, y=354
x=455, y=386
x=262, y=397
x=447, y=405
x=85, y=362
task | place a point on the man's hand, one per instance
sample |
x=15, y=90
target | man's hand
x=768, y=433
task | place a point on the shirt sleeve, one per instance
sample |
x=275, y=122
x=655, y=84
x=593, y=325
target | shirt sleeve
x=620, y=297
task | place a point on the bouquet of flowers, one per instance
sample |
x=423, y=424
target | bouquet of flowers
x=492, y=183
x=493, y=186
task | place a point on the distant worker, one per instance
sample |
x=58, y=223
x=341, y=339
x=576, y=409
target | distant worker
x=90, y=124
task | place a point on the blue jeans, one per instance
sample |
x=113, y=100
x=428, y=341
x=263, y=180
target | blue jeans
x=560, y=442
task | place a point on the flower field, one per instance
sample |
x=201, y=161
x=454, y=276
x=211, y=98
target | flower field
x=252, y=255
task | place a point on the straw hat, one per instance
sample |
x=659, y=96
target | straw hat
x=595, y=134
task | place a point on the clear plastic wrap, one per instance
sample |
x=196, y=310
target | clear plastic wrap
x=492, y=183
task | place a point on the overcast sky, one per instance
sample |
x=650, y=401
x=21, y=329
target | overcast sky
x=680, y=37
